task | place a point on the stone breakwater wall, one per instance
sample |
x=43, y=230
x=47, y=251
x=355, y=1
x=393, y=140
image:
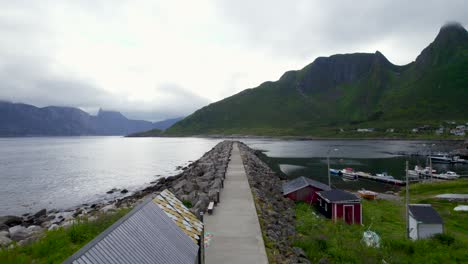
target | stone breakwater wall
x=197, y=185
x=275, y=212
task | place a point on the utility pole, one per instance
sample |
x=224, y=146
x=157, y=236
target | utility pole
x=328, y=163
x=407, y=201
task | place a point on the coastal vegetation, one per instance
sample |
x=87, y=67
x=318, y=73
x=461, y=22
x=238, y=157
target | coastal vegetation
x=349, y=91
x=57, y=245
x=341, y=243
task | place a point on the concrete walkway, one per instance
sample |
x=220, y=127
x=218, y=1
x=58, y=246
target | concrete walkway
x=237, y=237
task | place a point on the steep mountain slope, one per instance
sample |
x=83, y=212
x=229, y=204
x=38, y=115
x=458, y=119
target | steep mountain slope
x=346, y=90
x=28, y=120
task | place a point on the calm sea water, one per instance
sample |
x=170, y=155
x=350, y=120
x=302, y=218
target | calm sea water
x=62, y=172
x=309, y=158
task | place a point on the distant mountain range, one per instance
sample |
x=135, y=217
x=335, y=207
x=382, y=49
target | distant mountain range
x=346, y=91
x=17, y=119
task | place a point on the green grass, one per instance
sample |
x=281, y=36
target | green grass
x=341, y=243
x=56, y=246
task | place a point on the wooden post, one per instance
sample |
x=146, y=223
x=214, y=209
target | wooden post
x=201, y=251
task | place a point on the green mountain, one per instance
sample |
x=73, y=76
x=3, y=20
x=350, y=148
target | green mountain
x=349, y=91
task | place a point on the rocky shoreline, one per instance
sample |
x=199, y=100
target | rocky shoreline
x=198, y=184
x=195, y=186
x=275, y=212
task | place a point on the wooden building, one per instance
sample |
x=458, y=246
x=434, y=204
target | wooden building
x=424, y=221
x=338, y=204
x=303, y=189
x=160, y=230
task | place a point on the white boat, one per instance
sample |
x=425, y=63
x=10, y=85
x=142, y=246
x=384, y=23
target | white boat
x=384, y=175
x=450, y=175
x=348, y=173
x=441, y=158
x=335, y=172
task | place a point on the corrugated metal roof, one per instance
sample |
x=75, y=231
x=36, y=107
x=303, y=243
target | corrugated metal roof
x=145, y=235
x=425, y=213
x=177, y=211
x=301, y=182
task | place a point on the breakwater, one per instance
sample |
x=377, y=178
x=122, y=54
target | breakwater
x=275, y=212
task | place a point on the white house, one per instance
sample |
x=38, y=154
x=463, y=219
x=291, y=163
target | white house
x=424, y=221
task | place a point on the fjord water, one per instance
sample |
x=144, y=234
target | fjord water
x=309, y=158
x=62, y=172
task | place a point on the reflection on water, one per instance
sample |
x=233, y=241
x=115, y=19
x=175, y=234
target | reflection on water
x=373, y=156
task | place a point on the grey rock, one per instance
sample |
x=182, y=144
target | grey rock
x=34, y=228
x=3, y=227
x=54, y=227
x=299, y=252
x=323, y=261
x=180, y=184
x=18, y=233
x=4, y=241
x=107, y=208
x=5, y=233
x=10, y=220
x=40, y=213
x=189, y=187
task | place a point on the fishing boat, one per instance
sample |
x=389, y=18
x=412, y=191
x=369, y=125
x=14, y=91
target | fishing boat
x=366, y=194
x=441, y=158
x=348, y=173
x=384, y=175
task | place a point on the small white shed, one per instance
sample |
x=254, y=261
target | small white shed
x=424, y=221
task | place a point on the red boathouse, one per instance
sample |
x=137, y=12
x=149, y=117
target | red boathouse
x=303, y=189
x=338, y=204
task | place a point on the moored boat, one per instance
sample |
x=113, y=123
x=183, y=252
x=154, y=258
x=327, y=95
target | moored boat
x=366, y=194
x=335, y=172
x=348, y=173
x=384, y=175
x=441, y=158
x=449, y=175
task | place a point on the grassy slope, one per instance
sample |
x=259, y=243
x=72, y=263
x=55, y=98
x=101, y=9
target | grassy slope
x=340, y=243
x=386, y=96
x=58, y=245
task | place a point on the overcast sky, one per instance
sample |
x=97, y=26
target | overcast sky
x=160, y=59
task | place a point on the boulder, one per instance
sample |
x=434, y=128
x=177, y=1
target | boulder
x=180, y=184
x=124, y=191
x=3, y=227
x=40, y=213
x=5, y=233
x=35, y=228
x=53, y=227
x=189, y=187
x=10, y=220
x=18, y=233
x=4, y=241
x=107, y=208
x=202, y=185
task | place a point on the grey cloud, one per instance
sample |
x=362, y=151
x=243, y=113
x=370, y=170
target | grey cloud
x=313, y=28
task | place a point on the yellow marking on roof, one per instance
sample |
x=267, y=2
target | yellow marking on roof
x=177, y=211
